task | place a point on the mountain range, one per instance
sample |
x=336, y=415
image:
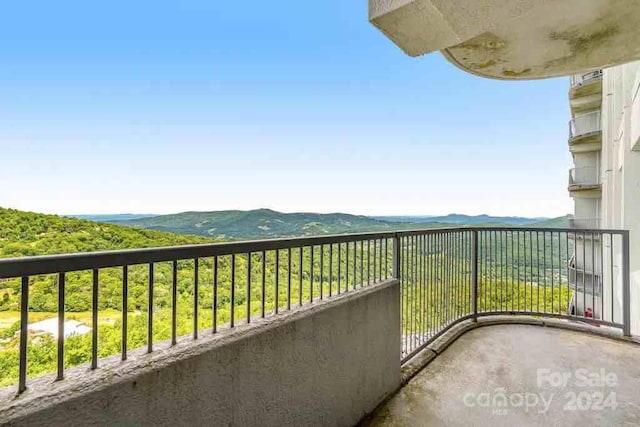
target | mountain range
x=266, y=223
x=464, y=219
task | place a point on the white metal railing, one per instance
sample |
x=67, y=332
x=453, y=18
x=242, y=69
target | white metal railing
x=588, y=282
x=584, y=177
x=585, y=124
x=584, y=223
x=578, y=80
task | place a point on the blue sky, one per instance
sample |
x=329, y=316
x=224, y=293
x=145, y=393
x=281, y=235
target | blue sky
x=159, y=107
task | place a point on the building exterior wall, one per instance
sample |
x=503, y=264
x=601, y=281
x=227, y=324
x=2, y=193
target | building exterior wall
x=621, y=168
x=618, y=204
x=329, y=364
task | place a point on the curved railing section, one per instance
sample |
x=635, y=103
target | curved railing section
x=585, y=124
x=448, y=276
x=584, y=177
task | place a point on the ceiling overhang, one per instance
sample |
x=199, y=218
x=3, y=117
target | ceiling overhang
x=515, y=39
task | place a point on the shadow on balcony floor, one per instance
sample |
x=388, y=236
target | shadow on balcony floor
x=516, y=375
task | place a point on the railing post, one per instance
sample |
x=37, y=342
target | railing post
x=396, y=257
x=626, y=285
x=474, y=276
x=24, y=318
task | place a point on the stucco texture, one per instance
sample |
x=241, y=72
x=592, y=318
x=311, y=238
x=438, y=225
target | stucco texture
x=328, y=364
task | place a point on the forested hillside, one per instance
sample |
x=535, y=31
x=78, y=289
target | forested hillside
x=560, y=222
x=26, y=234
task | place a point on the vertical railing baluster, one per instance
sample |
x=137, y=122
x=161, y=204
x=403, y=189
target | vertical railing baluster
x=289, y=279
x=125, y=309
x=361, y=263
x=174, y=303
x=94, y=319
x=61, y=307
x=544, y=272
x=321, y=271
x=423, y=261
x=593, y=273
x=601, y=281
x=215, y=267
x=264, y=283
x=300, y=269
x=330, y=269
x=195, y=298
x=368, y=262
x=566, y=237
x=232, y=309
x=150, y=310
x=626, y=286
x=277, y=282
x=248, y=287
x=584, y=274
x=24, y=334
x=340, y=268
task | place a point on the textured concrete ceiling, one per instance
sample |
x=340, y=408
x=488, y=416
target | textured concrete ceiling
x=515, y=39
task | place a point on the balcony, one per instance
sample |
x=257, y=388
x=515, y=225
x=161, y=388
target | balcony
x=307, y=331
x=584, y=179
x=585, y=133
x=588, y=282
x=506, y=376
x=585, y=79
x=586, y=85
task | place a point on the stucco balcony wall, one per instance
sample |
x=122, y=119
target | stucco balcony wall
x=328, y=364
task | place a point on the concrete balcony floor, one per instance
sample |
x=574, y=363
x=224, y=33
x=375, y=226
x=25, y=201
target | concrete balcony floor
x=463, y=386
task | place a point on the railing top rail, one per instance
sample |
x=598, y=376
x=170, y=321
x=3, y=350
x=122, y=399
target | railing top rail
x=586, y=115
x=49, y=264
x=34, y=265
x=573, y=171
x=579, y=79
x=555, y=230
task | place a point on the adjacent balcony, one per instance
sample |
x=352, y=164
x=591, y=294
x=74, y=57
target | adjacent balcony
x=585, y=93
x=585, y=281
x=584, y=223
x=582, y=80
x=584, y=179
x=316, y=331
x=585, y=132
